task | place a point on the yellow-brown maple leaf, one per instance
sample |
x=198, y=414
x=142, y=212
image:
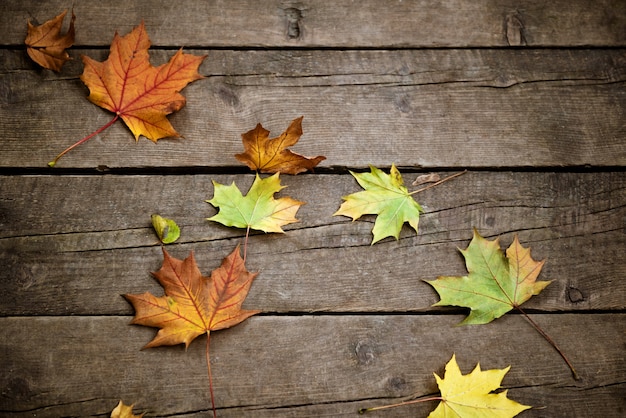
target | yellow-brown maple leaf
x=193, y=304
x=271, y=155
x=135, y=91
x=46, y=46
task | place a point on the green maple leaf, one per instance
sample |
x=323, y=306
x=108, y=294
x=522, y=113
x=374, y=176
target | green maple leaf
x=495, y=284
x=471, y=395
x=385, y=196
x=258, y=209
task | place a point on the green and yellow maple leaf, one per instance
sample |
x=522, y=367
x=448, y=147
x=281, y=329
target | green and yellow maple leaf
x=472, y=395
x=258, y=209
x=495, y=284
x=385, y=196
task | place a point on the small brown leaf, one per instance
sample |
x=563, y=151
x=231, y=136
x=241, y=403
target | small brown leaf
x=426, y=178
x=271, y=155
x=45, y=44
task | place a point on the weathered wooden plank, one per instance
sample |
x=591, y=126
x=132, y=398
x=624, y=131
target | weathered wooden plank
x=331, y=23
x=73, y=244
x=304, y=366
x=476, y=108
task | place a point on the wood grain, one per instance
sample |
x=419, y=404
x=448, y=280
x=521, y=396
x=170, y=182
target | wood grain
x=536, y=108
x=52, y=241
x=303, y=366
x=528, y=95
x=327, y=23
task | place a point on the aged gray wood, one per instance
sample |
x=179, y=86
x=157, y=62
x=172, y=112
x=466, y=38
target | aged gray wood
x=286, y=365
x=413, y=108
x=326, y=23
x=291, y=362
x=426, y=85
x=64, y=256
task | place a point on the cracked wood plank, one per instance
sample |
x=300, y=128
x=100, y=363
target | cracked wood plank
x=51, y=241
x=304, y=365
x=478, y=108
x=328, y=23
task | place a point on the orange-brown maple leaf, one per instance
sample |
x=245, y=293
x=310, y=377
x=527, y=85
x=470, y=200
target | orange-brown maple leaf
x=194, y=305
x=142, y=95
x=271, y=155
x=138, y=93
x=46, y=46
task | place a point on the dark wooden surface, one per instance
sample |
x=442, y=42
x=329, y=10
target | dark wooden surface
x=528, y=96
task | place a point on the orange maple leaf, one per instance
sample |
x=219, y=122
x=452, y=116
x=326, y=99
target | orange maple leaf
x=271, y=155
x=193, y=304
x=46, y=46
x=138, y=93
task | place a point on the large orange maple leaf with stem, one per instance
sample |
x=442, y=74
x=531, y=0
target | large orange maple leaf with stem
x=193, y=304
x=135, y=91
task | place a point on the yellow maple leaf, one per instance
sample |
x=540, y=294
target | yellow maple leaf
x=124, y=411
x=472, y=395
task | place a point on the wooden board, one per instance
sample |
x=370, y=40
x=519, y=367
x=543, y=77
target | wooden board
x=540, y=108
x=328, y=23
x=528, y=95
x=51, y=242
x=305, y=366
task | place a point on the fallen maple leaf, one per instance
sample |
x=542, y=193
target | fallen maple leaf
x=271, y=155
x=138, y=93
x=124, y=411
x=471, y=395
x=495, y=284
x=258, y=209
x=193, y=304
x=46, y=46
x=467, y=396
x=385, y=196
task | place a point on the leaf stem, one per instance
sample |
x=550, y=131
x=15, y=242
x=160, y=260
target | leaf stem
x=208, y=365
x=245, y=245
x=551, y=341
x=439, y=182
x=85, y=139
x=414, y=401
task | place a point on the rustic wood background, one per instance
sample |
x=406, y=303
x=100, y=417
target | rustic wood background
x=528, y=96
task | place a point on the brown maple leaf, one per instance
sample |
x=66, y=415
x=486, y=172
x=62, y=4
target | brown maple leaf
x=193, y=304
x=271, y=155
x=135, y=91
x=46, y=46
